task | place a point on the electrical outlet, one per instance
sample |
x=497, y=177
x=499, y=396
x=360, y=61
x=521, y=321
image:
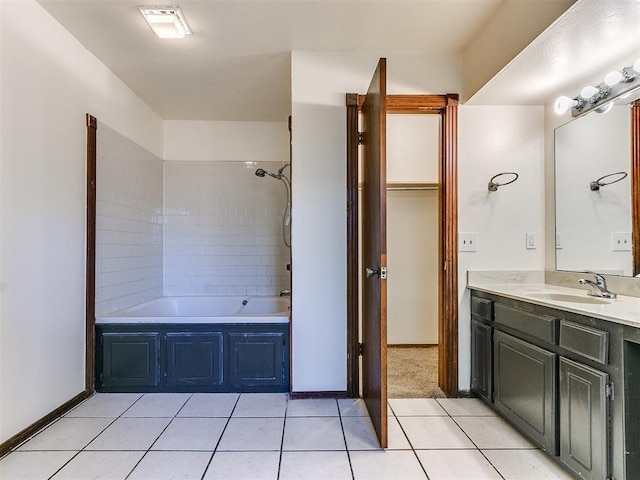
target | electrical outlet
x=558, y=241
x=531, y=241
x=468, y=242
x=620, y=241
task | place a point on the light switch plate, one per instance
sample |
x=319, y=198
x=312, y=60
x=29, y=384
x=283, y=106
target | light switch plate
x=467, y=242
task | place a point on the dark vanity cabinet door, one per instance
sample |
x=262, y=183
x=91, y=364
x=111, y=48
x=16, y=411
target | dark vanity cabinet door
x=583, y=420
x=194, y=358
x=525, y=388
x=130, y=360
x=482, y=360
x=258, y=360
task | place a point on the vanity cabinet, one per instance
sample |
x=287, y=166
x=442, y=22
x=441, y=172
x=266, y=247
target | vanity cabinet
x=551, y=374
x=482, y=348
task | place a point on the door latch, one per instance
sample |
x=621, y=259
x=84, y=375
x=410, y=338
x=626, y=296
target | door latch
x=380, y=272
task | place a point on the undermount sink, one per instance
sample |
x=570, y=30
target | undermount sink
x=567, y=297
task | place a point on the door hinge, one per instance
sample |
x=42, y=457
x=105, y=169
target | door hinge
x=360, y=349
x=360, y=138
x=383, y=272
x=609, y=391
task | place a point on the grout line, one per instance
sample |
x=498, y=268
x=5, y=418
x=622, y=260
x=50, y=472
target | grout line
x=204, y=473
x=284, y=426
x=344, y=437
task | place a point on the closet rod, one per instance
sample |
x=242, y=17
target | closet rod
x=408, y=186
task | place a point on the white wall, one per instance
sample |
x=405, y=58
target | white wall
x=495, y=139
x=195, y=140
x=412, y=230
x=48, y=81
x=128, y=223
x=319, y=83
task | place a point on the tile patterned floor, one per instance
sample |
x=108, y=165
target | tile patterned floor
x=267, y=436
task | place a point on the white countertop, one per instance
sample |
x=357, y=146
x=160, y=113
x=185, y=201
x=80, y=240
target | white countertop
x=623, y=310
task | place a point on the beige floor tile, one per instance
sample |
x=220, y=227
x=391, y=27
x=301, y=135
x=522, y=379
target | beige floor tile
x=492, y=432
x=526, y=465
x=68, y=434
x=404, y=407
x=313, y=433
x=261, y=405
x=434, y=433
x=32, y=465
x=196, y=434
x=171, y=466
x=99, y=466
x=322, y=407
x=315, y=465
x=386, y=464
x=105, y=405
x=130, y=434
x=243, y=466
x=457, y=464
x=465, y=407
x=360, y=434
x=209, y=405
x=250, y=434
x=158, y=405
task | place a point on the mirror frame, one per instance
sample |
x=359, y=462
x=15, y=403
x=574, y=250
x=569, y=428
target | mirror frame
x=635, y=185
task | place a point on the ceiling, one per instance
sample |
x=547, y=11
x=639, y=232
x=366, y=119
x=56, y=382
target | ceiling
x=590, y=39
x=236, y=65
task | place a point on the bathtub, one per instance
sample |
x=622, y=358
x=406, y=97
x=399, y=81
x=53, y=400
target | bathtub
x=195, y=344
x=199, y=310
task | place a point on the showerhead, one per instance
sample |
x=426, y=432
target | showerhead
x=261, y=172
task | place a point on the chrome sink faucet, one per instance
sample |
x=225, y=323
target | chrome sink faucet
x=598, y=288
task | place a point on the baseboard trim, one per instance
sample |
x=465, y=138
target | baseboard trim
x=20, y=437
x=412, y=345
x=306, y=395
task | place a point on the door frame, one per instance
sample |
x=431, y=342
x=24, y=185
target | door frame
x=446, y=106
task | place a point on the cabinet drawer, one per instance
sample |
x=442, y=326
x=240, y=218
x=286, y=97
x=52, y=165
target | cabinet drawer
x=535, y=325
x=481, y=309
x=586, y=341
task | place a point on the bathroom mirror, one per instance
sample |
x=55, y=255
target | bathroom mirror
x=594, y=214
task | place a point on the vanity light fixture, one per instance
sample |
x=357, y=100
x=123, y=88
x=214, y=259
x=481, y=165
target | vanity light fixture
x=600, y=97
x=166, y=22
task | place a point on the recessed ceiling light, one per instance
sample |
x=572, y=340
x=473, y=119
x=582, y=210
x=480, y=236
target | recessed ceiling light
x=166, y=22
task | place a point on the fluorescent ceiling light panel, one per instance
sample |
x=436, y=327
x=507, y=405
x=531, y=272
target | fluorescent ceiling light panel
x=166, y=22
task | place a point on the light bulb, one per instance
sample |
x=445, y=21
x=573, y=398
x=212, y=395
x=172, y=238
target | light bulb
x=636, y=65
x=588, y=91
x=613, y=78
x=563, y=104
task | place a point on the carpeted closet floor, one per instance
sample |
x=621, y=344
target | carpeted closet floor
x=412, y=372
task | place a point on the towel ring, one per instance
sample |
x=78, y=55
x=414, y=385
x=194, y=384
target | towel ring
x=595, y=185
x=493, y=186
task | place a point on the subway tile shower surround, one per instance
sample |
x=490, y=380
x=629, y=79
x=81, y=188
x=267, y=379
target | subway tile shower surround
x=128, y=223
x=223, y=229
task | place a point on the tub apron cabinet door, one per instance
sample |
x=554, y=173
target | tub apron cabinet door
x=258, y=362
x=194, y=359
x=129, y=360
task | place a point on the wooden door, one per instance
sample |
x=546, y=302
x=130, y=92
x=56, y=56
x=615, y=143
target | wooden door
x=374, y=252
